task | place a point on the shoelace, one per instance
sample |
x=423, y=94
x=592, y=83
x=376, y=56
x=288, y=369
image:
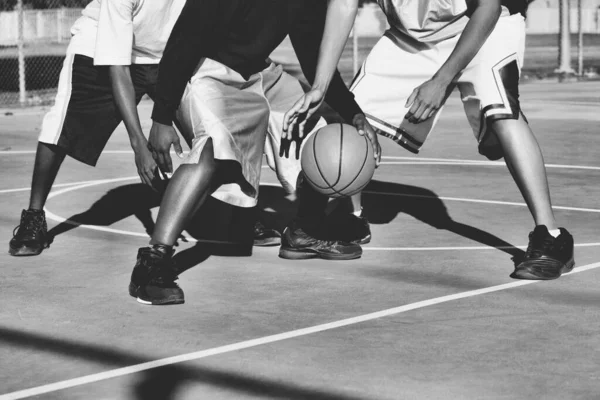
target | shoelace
x=159, y=270
x=29, y=226
x=538, y=245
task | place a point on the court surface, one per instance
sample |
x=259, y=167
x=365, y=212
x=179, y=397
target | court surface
x=428, y=312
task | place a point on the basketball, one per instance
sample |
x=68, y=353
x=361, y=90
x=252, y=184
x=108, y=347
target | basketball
x=337, y=161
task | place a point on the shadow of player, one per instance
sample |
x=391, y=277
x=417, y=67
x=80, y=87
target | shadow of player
x=382, y=202
x=220, y=229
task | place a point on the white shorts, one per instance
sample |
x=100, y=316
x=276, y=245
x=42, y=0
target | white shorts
x=488, y=85
x=244, y=120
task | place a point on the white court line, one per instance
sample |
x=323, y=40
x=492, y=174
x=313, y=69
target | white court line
x=58, y=218
x=416, y=160
x=466, y=200
x=25, y=189
x=132, y=369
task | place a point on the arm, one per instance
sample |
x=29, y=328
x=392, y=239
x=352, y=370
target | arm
x=192, y=38
x=124, y=94
x=319, y=40
x=114, y=43
x=427, y=99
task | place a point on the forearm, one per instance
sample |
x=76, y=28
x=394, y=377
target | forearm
x=124, y=94
x=483, y=19
x=189, y=41
x=338, y=24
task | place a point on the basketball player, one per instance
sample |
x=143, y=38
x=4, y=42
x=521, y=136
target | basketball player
x=214, y=78
x=111, y=62
x=477, y=46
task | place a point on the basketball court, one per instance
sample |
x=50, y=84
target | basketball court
x=428, y=312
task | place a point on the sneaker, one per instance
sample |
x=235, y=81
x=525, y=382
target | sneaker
x=349, y=228
x=546, y=257
x=264, y=236
x=30, y=238
x=153, y=277
x=296, y=244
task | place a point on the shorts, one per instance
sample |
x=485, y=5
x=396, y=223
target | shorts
x=489, y=85
x=244, y=120
x=85, y=114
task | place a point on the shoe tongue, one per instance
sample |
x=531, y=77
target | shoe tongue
x=541, y=231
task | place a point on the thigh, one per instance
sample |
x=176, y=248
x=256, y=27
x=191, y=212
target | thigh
x=489, y=86
x=87, y=114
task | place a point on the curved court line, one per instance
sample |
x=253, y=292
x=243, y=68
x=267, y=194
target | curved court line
x=58, y=218
x=132, y=369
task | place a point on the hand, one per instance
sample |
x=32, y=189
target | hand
x=145, y=164
x=301, y=112
x=364, y=128
x=426, y=100
x=159, y=143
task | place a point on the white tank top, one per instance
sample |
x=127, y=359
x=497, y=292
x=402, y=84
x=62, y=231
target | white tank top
x=426, y=21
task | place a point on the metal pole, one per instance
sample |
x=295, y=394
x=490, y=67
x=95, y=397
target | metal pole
x=20, y=40
x=355, y=65
x=580, y=38
x=564, y=52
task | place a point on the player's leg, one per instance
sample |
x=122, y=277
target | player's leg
x=79, y=124
x=301, y=237
x=525, y=162
x=226, y=154
x=490, y=91
x=387, y=77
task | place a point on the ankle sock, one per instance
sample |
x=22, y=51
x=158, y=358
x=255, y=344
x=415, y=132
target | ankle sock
x=554, y=232
x=357, y=213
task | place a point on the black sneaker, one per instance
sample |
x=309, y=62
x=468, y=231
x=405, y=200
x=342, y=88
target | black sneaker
x=264, y=236
x=153, y=277
x=348, y=227
x=30, y=238
x=546, y=257
x=296, y=244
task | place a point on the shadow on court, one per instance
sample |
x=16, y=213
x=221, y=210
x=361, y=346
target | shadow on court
x=163, y=383
x=220, y=229
x=224, y=230
x=382, y=203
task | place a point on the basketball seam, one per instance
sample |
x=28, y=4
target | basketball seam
x=330, y=186
x=361, y=168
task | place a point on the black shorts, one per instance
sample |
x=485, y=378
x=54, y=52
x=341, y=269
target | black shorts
x=85, y=113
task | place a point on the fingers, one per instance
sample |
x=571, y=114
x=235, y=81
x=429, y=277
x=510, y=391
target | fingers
x=291, y=117
x=411, y=99
x=177, y=148
x=163, y=159
x=359, y=124
x=284, y=148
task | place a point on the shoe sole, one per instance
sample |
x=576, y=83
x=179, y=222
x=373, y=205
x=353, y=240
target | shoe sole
x=365, y=240
x=293, y=254
x=528, y=274
x=133, y=292
x=267, y=242
x=25, y=251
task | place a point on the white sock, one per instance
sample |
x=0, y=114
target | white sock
x=357, y=213
x=554, y=232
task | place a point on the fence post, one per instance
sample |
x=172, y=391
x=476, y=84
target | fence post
x=580, y=38
x=21, y=51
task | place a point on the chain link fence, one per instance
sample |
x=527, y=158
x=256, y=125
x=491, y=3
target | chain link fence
x=34, y=35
